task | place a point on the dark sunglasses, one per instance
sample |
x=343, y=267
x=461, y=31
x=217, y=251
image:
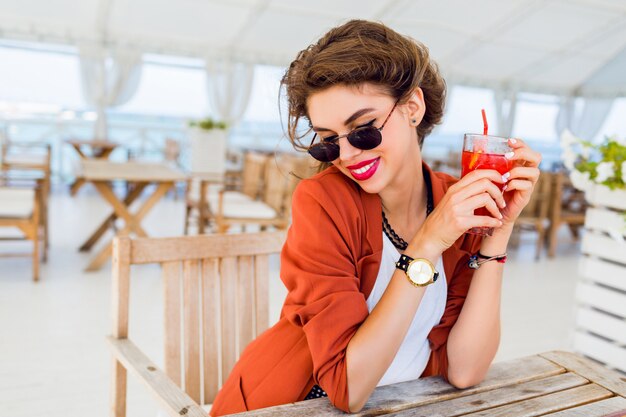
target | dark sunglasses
x=363, y=137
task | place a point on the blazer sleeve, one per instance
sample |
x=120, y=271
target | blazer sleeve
x=318, y=267
x=457, y=292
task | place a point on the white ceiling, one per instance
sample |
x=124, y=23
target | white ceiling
x=559, y=46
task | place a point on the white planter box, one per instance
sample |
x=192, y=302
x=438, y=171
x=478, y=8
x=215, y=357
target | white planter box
x=601, y=293
x=208, y=152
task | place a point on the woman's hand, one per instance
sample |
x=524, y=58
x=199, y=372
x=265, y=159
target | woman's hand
x=523, y=177
x=454, y=214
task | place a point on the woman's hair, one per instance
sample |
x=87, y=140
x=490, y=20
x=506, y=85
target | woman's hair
x=358, y=52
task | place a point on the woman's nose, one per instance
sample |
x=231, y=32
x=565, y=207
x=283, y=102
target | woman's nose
x=347, y=152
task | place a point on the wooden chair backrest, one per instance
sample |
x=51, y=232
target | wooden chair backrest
x=253, y=168
x=566, y=200
x=216, y=300
x=539, y=204
x=282, y=174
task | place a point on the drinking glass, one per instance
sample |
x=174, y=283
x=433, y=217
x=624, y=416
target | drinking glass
x=485, y=152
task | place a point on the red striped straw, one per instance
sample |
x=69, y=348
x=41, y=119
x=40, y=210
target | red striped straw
x=485, y=125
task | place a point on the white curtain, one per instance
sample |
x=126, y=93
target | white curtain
x=109, y=79
x=584, y=122
x=506, y=107
x=229, y=85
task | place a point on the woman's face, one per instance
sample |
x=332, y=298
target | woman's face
x=340, y=109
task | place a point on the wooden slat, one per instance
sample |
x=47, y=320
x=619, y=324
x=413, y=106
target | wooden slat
x=603, y=272
x=548, y=403
x=210, y=328
x=605, y=220
x=191, y=293
x=491, y=399
x=588, y=369
x=228, y=286
x=603, y=247
x=261, y=293
x=198, y=247
x=405, y=395
x=172, y=319
x=603, y=196
x=604, y=351
x=170, y=397
x=245, y=302
x=119, y=310
x=603, y=324
x=596, y=409
x=602, y=298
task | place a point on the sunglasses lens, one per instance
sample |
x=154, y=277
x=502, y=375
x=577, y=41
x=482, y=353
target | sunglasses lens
x=365, y=138
x=324, y=152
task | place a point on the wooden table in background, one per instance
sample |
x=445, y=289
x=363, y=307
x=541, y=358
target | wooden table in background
x=555, y=384
x=139, y=175
x=100, y=149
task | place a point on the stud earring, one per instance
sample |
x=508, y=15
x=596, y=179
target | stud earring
x=414, y=121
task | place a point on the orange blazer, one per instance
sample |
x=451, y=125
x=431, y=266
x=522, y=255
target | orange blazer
x=329, y=264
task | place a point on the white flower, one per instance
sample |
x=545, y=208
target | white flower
x=568, y=139
x=580, y=180
x=605, y=171
x=569, y=158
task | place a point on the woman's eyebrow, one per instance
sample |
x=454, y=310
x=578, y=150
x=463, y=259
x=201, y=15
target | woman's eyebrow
x=349, y=120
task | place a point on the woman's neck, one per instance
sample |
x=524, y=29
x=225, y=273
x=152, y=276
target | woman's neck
x=405, y=199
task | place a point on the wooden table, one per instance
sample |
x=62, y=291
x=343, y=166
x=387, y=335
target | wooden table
x=100, y=149
x=555, y=384
x=139, y=175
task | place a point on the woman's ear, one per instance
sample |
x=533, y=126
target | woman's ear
x=416, y=107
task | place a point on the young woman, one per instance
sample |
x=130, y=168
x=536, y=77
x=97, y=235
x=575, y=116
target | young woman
x=357, y=316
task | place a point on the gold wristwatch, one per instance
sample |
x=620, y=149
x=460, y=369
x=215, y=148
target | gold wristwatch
x=420, y=272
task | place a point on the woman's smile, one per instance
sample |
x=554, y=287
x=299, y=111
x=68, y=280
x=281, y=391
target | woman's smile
x=364, y=170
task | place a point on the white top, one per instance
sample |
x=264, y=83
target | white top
x=414, y=351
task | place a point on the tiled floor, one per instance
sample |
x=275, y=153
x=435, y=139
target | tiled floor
x=53, y=357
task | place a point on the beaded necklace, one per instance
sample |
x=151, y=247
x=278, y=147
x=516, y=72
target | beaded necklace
x=397, y=241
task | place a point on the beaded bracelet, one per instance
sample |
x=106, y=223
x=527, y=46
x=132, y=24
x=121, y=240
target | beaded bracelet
x=475, y=263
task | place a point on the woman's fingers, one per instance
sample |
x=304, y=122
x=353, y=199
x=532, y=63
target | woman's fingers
x=521, y=185
x=490, y=174
x=482, y=221
x=478, y=187
x=529, y=173
x=478, y=201
x=522, y=153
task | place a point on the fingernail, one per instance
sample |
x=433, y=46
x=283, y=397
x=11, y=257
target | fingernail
x=500, y=216
x=503, y=205
x=509, y=155
x=513, y=141
x=504, y=188
x=506, y=176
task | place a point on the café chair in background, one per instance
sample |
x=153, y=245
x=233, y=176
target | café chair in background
x=567, y=206
x=216, y=301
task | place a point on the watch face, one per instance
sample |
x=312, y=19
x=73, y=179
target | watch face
x=420, y=272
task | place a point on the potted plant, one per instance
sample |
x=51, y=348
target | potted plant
x=208, y=139
x=600, y=171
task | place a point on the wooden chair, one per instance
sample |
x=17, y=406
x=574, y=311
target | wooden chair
x=21, y=207
x=567, y=206
x=201, y=191
x=27, y=156
x=216, y=292
x=274, y=207
x=535, y=214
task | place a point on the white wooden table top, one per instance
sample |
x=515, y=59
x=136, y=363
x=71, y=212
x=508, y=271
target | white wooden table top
x=102, y=170
x=556, y=384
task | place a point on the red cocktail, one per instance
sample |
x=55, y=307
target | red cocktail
x=485, y=152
